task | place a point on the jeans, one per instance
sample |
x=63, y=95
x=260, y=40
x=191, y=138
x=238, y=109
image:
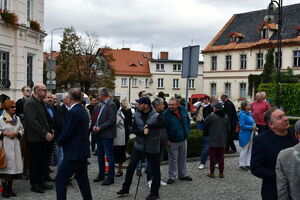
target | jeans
x=154, y=161
x=204, y=151
x=106, y=147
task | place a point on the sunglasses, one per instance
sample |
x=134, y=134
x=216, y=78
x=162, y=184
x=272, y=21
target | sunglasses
x=28, y=90
x=12, y=106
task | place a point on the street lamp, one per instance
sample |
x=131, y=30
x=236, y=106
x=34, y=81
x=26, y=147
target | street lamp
x=275, y=7
x=51, y=48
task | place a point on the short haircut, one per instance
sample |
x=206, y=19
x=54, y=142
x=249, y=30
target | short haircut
x=224, y=96
x=157, y=101
x=263, y=93
x=65, y=95
x=297, y=126
x=35, y=88
x=23, y=88
x=141, y=92
x=268, y=113
x=103, y=91
x=206, y=97
x=173, y=99
x=244, y=104
x=75, y=94
x=161, y=94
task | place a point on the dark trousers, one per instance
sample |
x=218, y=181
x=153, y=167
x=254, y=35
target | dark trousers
x=66, y=170
x=261, y=128
x=37, y=162
x=216, y=155
x=49, y=152
x=230, y=143
x=269, y=190
x=148, y=166
x=93, y=141
x=153, y=160
x=106, y=147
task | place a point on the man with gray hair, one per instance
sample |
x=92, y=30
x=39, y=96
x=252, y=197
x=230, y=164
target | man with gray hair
x=259, y=107
x=105, y=129
x=287, y=170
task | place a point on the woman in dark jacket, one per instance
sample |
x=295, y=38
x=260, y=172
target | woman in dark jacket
x=126, y=110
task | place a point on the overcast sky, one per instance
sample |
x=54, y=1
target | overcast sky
x=165, y=25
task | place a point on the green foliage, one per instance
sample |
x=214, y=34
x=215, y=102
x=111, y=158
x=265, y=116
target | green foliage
x=268, y=67
x=9, y=18
x=193, y=126
x=286, y=76
x=254, y=81
x=289, y=96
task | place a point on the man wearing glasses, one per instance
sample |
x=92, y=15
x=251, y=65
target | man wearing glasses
x=37, y=133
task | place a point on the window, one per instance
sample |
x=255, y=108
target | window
x=228, y=62
x=233, y=39
x=124, y=82
x=191, y=83
x=228, y=89
x=29, y=10
x=146, y=82
x=176, y=67
x=243, y=61
x=213, y=89
x=265, y=34
x=243, y=90
x=29, y=70
x=277, y=59
x=160, y=83
x=4, y=69
x=296, y=58
x=259, y=60
x=175, y=83
x=214, y=63
x=4, y=5
x=134, y=82
x=160, y=67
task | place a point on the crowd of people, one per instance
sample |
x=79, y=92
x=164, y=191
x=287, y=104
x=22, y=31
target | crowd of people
x=35, y=126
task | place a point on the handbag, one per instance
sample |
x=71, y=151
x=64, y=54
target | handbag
x=3, y=162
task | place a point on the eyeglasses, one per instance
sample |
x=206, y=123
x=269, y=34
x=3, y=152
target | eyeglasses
x=28, y=90
x=12, y=106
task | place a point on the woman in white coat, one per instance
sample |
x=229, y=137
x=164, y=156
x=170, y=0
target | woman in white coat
x=10, y=134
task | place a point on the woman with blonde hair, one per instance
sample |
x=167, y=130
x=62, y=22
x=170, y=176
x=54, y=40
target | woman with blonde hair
x=126, y=110
x=11, y=130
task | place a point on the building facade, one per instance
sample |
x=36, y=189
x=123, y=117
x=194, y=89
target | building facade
x=240, y=48
x=21, y=46
x=166, y=77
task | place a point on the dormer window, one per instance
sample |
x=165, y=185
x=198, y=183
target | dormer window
x=267, y=30
x=235, y=36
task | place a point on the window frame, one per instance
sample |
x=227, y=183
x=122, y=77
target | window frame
x=160, y=67
x=191, y=84
x=124, y=82
x=227, y=90
x=134, y=82
x=214, y=63
x=160, y=83
x=296, y=58
x=277, y=58
x=243, y=89
x=259, y=61
x=228, y=62
x=4, y=74
x=2, y=4
x=29, y=67
x=175, y=83
x=243, y=61
x=213, y=90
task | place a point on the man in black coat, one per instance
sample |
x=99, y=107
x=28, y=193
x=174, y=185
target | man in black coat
x=266, y=147
x=230, y=110
x=74, y=139
x=38, y=132
x=105, y=129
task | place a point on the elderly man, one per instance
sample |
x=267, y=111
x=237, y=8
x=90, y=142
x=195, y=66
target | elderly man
x=266, y=147
x=178, y=129
x=105, y=129
x=287, y=170
x=38, y=132
x=259, y=107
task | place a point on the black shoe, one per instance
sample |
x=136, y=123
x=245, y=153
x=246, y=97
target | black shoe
x=49, y=179
x=123, y=192
x=243, y=168
x=152, y=197
x=37, y=189
x=170, y=181
x=108, y=181
x=248, y=167
x=46, y=186
x=99, y=179
x=187, y=178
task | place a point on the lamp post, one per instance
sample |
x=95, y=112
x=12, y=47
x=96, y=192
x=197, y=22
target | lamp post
x=275, y=7
x=51, y=47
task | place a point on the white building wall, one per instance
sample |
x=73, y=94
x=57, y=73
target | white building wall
x=20, y=43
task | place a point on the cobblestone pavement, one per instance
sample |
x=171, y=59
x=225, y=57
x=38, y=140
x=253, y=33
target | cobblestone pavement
x=237, y=185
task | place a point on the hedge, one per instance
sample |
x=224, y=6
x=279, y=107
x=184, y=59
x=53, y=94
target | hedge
x=195, y=143
x=289, y=96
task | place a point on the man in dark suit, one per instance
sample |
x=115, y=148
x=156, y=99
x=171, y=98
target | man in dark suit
x=74, y=139
x=105, y=129
x=230, y=110
x=37, y=133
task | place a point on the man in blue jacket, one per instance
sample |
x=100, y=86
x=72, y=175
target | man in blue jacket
x=74, y=139
x=178, y=129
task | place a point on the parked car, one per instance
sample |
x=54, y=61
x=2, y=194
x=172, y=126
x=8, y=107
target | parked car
x=195, y=98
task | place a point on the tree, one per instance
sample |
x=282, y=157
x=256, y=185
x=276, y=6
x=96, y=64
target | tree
x=268, y=67
x=81, y=64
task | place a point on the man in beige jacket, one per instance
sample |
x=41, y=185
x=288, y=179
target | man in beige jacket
x=288, y=171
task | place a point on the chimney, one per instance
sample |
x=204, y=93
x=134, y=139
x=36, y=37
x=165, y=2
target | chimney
x=164, y=55
x=126, y=49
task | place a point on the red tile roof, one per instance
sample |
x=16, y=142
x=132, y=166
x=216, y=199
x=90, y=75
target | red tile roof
x=127, y=62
